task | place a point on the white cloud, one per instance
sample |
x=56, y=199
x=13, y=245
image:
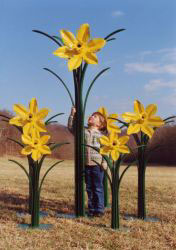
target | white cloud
x=168, y=54
x=150, y=68
x=157, y=62
x=170, y=100
x=158, y=84
x=117, y=13
x=142, y=67
x=170, y=68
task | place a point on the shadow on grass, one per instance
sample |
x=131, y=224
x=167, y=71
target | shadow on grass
x=19, y=203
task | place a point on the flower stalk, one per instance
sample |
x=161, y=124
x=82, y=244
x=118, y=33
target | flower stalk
x=79, y=141
x=79, y=51
x=142, y=124
x=35, y=146
x=115, y=222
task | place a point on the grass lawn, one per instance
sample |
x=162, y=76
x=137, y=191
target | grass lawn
x=83, y=233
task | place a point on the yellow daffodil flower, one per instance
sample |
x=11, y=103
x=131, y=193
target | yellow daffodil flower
x=36, y=145
x=29, y=118
x=110, y=122
x=113, y=145
x=79, y=48
x=142, y=119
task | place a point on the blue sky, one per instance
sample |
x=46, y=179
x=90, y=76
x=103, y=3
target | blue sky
x=142, y=59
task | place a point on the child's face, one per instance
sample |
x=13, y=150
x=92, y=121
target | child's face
x=94, y=120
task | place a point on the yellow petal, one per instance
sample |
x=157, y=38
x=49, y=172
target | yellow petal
x=45, y=150
x=26, y=139
x=68, y=38
x=104, y=151
x=123, y=139
x=33, y=107
x=74, y=62
x=103, y=111
x=147, y=130
x=104, y=140
x=90, y=58
x=44, y=139
x=115, y=155
x=138, y=107
x=64, y=52
x=18, y=121
x=27, y=128
x=123, y=149
x=26, y=150
x=83, y=33
x=151, y=109
x=42, y=114
x=20, y=110
x=113, y=137
x=36, y=154
x=114, y=128
x=40, y=126
x=133, y=129
x=129, y=117
x=35, y=134
x=96, y=44
x=155, y=121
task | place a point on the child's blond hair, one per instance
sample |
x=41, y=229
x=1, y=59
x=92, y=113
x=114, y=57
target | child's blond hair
x=103, y=122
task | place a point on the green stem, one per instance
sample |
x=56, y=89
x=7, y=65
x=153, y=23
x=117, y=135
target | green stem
x=65, y=86
x=91, y=85
x=49, y=169
x=141, y=182
x=141, y=192
x=35, y=196
x=30, y=163
x=106, y=193
x=79, y=144
x=115, y=199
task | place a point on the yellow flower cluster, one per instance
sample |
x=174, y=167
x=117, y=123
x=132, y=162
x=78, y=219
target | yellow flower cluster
x=31, y=121
x=112, y=145
x=141, y=120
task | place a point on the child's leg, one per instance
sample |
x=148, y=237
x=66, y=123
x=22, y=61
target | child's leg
x=98, y=190
x=89, y=188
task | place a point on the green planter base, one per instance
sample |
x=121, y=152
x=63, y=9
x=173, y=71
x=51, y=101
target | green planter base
x=148, y=219
x=66, y=216
x=121, y=229
x=23, y=214
x=40, y=227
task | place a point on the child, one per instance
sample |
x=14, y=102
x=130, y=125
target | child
x=94, y=174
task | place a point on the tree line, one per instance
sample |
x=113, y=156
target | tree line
x=161, y=148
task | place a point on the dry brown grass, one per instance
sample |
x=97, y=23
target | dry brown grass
x=84, y=233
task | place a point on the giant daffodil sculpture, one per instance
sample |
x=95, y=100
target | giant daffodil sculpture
x=142, y=124
x=79, y=50
x=114, y=149
x=36, y=147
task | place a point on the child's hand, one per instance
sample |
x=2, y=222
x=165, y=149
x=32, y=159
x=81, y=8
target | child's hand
x=73, y=111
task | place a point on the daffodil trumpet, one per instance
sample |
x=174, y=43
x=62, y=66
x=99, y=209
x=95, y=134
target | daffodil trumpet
x=79, y=50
